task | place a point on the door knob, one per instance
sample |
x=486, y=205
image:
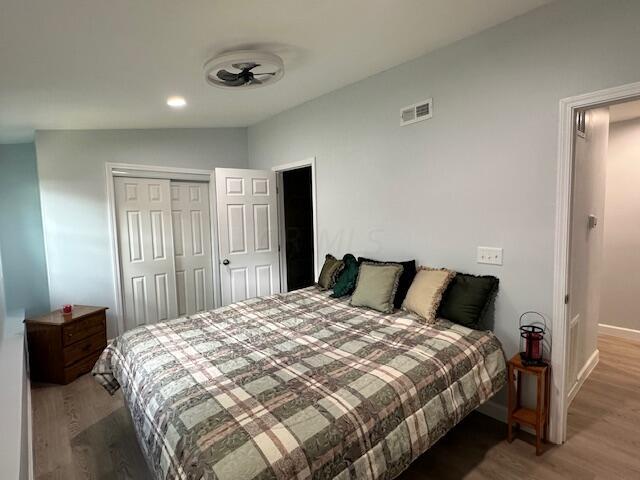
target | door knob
x=225, y=262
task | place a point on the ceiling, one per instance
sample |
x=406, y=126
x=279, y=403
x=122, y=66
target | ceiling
x=91, y=64
x=624, y=111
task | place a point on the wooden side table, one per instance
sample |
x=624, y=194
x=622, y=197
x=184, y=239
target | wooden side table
x=64, y=346
x=537, y=417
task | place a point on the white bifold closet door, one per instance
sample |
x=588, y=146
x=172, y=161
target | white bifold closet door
x=146, y=250
x=190, y=220
x=164, y=235
x=248, y=233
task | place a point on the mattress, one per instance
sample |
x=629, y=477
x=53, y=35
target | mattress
x=297, y=385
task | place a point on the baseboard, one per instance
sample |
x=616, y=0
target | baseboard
x=494, y=410
x=583, y=374
x=626, y=333
x=499, y=412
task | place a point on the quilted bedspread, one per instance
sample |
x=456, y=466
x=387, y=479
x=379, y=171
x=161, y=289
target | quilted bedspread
x=297, y=385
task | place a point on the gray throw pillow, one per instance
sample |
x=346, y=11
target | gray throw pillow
x=376, y=286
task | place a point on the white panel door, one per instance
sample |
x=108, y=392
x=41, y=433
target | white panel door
x=192, y=244
x=248, y=231
x=146, y=250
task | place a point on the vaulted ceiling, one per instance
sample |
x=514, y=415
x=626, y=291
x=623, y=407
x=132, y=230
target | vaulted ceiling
x=84, y=64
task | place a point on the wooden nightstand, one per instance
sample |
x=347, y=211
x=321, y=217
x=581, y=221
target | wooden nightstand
x=538, y=417
x=63, y=347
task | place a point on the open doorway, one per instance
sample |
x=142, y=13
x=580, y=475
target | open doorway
x=604, y=256
x=561, y=350
x=297, y=226
x=604, y=261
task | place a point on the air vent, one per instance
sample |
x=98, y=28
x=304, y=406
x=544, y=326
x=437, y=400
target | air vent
x=581, y=123
x=416, y=112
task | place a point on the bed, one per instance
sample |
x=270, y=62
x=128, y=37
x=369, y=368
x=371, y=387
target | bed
x=297, y=385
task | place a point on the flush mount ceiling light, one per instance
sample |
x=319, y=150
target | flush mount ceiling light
x=176, y=102
x=244, y=69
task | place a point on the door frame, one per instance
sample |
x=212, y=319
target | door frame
x=148, y=171
x=279, y=169
x=560, y=322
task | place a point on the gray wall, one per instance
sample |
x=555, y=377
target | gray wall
x=21, y=230
x=621, y=255
x=482, y=171
x=3, y=303
x=71, y=166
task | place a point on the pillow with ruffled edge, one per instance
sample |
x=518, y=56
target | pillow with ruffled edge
x=376, y=286
x=408, y=272
x=330, y=271
x=425, y=294
x=346, y=281
x=467, y=299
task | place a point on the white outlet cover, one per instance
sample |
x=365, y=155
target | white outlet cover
x=489, y=255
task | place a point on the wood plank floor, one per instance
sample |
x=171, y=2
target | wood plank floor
x=81, y=432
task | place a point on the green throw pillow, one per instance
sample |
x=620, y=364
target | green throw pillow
x=376, y=286
x=467, y=298
x=346, y=281
x=330, y=270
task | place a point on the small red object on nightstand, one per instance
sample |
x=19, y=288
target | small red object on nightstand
x=67, y=309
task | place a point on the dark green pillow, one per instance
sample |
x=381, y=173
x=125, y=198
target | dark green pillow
x=466, y=299
x=346, y=281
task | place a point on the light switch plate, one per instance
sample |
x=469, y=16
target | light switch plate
x=490, y=255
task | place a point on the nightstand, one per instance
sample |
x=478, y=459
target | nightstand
x=63, y=347
x=537, y=417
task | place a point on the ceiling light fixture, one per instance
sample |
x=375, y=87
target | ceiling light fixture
x=176, y=102
x=244, y=69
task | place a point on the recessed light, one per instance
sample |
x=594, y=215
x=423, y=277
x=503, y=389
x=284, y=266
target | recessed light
x=176, y=102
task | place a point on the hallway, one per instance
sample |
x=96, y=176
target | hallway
x=605, y=415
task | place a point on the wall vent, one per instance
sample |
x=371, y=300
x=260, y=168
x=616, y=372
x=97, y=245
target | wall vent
x=581, y=123
x=416, y=112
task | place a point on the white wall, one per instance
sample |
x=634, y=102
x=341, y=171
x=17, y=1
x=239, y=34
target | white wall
x=71, y=169
x=620, y=279
x=482, y=171
x=14, y=401
x=14, y=394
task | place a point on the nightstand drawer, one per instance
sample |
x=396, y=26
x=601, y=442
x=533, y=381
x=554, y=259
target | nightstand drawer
x=83, y=328
x=80, y=368
x=79, y=350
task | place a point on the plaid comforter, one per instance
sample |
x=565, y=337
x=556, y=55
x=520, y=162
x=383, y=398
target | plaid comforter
x=297, y=385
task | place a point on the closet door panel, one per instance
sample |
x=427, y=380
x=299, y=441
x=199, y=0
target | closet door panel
x=143, y=209
x=190, y=212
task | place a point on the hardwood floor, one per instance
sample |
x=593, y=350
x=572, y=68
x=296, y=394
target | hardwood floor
x=81, y=432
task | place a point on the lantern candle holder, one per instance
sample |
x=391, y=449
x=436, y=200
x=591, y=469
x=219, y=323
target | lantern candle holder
x=532, y=342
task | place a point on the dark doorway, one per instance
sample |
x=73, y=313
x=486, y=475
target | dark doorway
x=298, y=223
